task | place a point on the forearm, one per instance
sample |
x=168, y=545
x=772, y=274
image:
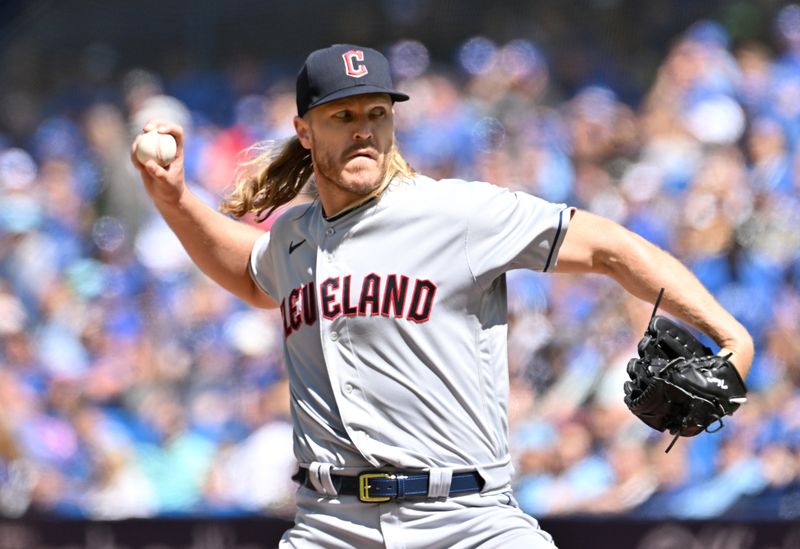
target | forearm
x=594, y=244
x=218, y=245
x=643, y=269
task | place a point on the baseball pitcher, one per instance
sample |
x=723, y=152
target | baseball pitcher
x=392, y=291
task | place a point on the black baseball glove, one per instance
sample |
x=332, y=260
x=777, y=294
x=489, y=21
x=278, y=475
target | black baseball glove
x=679, y=384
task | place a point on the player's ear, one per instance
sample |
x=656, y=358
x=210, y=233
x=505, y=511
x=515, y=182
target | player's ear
x=302, y=130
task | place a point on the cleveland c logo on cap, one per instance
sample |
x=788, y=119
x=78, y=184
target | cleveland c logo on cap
x=354, y=63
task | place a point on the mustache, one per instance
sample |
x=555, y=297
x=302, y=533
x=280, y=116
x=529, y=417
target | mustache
x=367, y=147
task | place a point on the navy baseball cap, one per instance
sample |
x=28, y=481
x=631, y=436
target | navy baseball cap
x=343, y=70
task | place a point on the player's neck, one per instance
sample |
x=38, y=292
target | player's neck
x=335, y=200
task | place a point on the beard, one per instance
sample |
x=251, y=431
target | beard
x=356, y=175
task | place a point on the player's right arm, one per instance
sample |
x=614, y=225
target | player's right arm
x=218, y=245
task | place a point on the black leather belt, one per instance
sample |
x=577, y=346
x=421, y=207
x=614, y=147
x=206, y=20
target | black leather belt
x=381, y=486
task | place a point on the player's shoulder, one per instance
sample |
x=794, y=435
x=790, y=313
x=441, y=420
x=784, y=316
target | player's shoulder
x=444, y=187
x=444, y=194
x=293, y=219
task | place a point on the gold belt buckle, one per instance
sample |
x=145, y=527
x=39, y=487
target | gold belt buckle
x=363, y=487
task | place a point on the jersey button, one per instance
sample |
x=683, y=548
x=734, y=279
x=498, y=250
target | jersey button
x=330, y=231
x=334, y=336
x=348, y=388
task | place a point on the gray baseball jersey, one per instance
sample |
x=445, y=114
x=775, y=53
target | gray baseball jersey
x=394, y=318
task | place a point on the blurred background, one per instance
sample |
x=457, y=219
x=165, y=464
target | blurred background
x=132, y=387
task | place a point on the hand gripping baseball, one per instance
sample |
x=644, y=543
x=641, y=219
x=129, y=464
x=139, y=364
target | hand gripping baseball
x=678, y=384
x=165, y=184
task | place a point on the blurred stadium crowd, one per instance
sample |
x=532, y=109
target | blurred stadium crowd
x=131, y=386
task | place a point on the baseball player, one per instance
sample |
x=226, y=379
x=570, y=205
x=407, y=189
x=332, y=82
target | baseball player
x=392, y=291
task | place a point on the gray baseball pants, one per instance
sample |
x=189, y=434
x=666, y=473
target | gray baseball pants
x=482, y=521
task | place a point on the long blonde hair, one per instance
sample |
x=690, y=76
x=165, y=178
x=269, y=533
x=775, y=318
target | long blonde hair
x=275, y=174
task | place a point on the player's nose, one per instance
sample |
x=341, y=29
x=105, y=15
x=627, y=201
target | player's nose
x=363, y=130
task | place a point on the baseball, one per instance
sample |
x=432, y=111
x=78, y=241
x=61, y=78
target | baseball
x=160, y=147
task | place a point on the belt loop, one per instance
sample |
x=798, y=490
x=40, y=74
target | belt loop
x=401, y=486
x=320, y=476
x=439, y=479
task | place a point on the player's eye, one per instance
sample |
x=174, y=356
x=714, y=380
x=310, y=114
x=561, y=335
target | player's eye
x=378, y=112
x=342, y=115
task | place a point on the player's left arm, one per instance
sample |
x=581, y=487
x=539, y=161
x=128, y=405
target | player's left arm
x=594, y=244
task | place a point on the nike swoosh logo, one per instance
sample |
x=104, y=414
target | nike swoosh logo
x=293, y=246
